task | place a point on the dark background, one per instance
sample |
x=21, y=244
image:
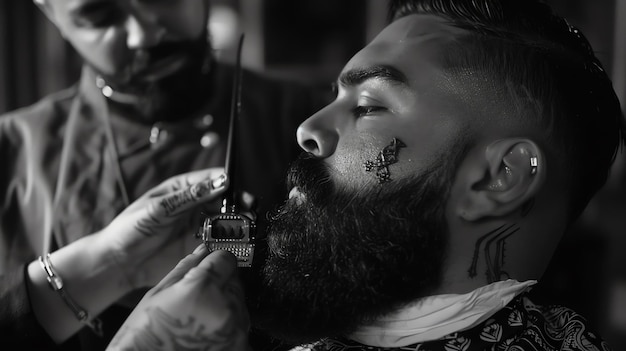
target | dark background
x=310, y=40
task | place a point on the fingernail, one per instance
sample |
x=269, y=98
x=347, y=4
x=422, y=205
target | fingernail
x=218, y=182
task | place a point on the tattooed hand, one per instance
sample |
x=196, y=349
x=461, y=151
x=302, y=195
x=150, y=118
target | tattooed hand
x=147, y=239
x=199, y=305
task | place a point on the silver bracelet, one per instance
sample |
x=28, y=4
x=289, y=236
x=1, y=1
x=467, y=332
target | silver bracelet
x=56, y=284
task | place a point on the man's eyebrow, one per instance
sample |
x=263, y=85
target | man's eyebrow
x=78, y=4
x=357, y=76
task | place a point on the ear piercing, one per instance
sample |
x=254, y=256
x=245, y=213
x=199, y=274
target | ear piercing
x=388, y=155
x=533, y=164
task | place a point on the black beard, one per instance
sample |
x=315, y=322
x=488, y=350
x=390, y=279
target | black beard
x=343, y=258
x=173, y=96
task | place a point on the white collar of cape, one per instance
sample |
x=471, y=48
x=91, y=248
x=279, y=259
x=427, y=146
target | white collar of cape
x=433, y=317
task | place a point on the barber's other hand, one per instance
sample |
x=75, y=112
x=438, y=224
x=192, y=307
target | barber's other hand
x=199, y=305
x=150, y=236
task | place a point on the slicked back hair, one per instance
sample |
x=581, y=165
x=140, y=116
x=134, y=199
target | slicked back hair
x=525, y=45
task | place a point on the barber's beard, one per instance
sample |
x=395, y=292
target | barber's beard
x=343, y=258
x=172, y=96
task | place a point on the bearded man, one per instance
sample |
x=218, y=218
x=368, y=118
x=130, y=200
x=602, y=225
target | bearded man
x=462, y=143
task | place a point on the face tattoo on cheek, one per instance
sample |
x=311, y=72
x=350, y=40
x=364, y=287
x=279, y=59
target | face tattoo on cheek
x=388, y=155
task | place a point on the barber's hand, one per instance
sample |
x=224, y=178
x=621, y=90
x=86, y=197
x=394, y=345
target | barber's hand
x=150, y=236
x=199, y=305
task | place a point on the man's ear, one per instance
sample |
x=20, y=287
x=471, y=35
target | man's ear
x=501, y=179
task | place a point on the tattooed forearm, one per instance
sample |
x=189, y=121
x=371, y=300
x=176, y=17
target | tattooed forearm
x=165, y=332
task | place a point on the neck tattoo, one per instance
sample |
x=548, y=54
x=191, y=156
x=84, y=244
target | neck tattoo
x=493, y=248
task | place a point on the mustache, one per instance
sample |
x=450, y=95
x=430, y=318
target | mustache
x=311, y=175
x=142, y=59
x=139, y=61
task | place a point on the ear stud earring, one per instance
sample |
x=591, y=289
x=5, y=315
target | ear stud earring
x=533, y=164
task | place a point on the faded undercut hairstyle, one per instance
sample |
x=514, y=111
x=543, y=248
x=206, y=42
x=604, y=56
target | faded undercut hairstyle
x=525, y=45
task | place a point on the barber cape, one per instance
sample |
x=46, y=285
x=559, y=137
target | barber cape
x=521, y=325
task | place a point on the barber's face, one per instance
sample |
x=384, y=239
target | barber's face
x=352, y=244
x=115, y=36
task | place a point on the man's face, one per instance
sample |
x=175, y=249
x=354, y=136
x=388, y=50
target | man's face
x=394, y=88
x=352, y=244
x=133, y=41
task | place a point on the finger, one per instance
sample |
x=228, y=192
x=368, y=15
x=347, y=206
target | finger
x=184, y=180
x=182, y=267
x=209, y=173
x=216, y=268
x=174, y=204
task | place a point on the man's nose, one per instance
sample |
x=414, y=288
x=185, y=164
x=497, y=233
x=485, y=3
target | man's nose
x=319, y=134
x=142, y=32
